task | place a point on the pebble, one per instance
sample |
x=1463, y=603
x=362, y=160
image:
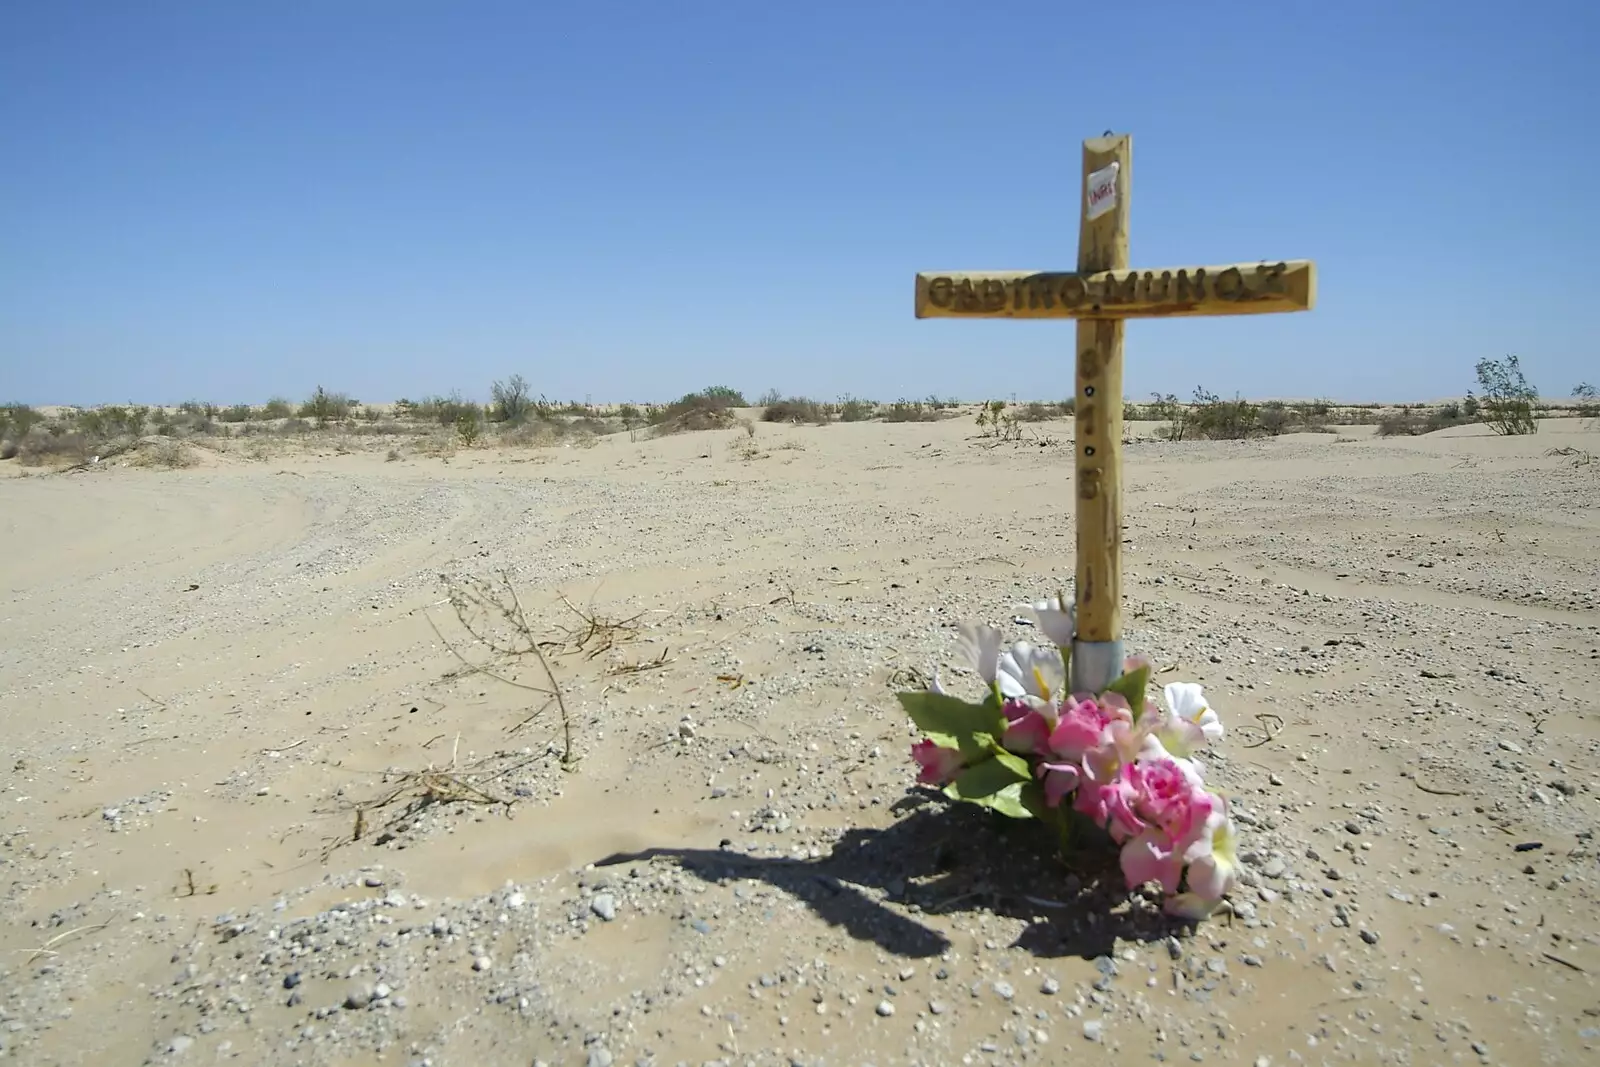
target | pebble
x=1004, y=991
x=1093, y=1029
x=1050, y=987
x=605, y=906
x=482, y=963
x=885, y=1008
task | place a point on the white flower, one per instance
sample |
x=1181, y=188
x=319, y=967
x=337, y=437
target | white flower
x=1057, y=621
x=1030, y=671
x=1187, y=701
x=981, y=645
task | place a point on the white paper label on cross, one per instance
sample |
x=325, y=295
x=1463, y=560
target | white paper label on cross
x=1102, y=191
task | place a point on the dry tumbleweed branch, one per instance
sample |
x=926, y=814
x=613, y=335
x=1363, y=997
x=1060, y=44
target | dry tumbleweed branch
x=492, y=615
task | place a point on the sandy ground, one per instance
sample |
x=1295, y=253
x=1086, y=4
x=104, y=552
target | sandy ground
x=206, y=674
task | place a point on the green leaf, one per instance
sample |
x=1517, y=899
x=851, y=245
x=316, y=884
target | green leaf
x=1010, y=801
x=1013, y=762
x=950, y=722
x=983, y=780
x=1133, y=686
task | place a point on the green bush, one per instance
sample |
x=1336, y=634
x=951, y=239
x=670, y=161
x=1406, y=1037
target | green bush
x=854, y=409
x=16, y=420
x=238, y=413
x=795, y=409
x=325, y=407
x=1506, y=403
x=277, y=408
x=511, y=400
x=903, y=410
x=709, y=409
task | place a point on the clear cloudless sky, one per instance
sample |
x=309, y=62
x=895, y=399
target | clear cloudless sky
x=635, y=199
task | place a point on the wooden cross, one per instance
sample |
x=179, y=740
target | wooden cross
x=1101, y=294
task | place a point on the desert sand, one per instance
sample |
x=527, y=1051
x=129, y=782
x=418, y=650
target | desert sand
x=213, y=678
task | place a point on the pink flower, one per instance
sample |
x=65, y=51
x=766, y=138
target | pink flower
x=1085, y=723
x=1027, y=731
x=939, y=764
x=1107, y=802
x=1152, y=857
x=1059, y=780
x=1166, y=796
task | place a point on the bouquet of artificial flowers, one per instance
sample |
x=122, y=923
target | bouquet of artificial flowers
x=1031, y=749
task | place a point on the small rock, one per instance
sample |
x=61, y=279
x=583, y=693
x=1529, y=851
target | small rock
x=600, y=1056
x=1004, y=991
x=482, y=963
x=1511, y=747
x=1093, y=1030
x=605, y=906
x=1050, y=987
x=180, y=1044
x=885, y=1008
x=358, y=998
x=1369, y=936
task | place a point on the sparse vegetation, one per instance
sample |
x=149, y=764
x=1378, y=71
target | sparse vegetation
x=1506, y=399
x=324, y=408
x=795, y=409
x=709, y=409
x=854, y=409
x=1412, y=421
x=909, y=411
x=511, y=400
x=1588, y=401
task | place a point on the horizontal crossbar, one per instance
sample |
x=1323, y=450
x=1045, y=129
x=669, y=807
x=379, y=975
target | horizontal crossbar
x=1228, y=289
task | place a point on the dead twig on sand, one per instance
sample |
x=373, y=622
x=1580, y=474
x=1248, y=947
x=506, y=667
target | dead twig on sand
x=1579, y=457
x=1271, y=726
x=485, y=611
x=48, y=948
x=412, y=792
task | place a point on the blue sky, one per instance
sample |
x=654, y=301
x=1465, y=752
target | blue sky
x=631, y=200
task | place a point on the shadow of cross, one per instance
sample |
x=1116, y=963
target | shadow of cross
x=1101, y=294
x=891, y=886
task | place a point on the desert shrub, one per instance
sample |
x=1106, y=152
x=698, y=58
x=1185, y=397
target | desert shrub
x=295, y=426
x=112, y=420
x=1037, y=411
x=1588, y=401
x=393, y=456
x=445, y=410
x=936, y=404
x=768, y=398
x=630, y=415
x=237, y=413
x=903, y=410
x=709, y=409
x=1413, y=421
x=1506, y=401
x=1224, y=420
x=62, y=448
x=166, y=454
x=511, y=400
x=277, y=408
x=795, y=409
x=370, y=414
x=469, y=426
x=16, y=420
x=324, y=407
x=1165, y=407
x=9, y=449
x=1275, y=418
x=854, y=409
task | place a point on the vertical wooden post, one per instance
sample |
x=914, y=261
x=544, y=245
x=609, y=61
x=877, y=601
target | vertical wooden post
x=1102, y=245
